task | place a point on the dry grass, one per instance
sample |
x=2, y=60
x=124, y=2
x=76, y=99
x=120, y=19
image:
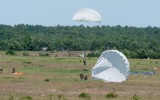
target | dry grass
x=63, y=75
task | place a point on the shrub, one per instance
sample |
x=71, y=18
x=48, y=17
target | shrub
x=25, y=54
x=60, y=97
x=111, y=95
x=135, y=97
x=50, y=97
x=85, y=96
x=27, y=62
x=43, y=54
x=53, y=51
x=26, y=98
x=10, y=52
x=46, y=80
x=11, y=97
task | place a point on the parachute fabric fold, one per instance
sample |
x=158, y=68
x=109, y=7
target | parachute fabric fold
x=112, y=66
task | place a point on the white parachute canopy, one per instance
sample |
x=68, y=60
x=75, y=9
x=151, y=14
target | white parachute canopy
x=112, y=66
x=82, y=55
x=87, y=15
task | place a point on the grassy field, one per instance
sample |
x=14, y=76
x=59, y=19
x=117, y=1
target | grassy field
x=57, y=78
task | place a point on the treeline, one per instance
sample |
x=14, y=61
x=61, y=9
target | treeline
x=134, y=42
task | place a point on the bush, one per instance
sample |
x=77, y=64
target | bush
x=60, y=97
x=85, y=96
x=27, y=62
x=10, y=52
x=25, y=54
x=50, y=97
x=26, y=98
x=43, y=54
x=135, y=97
x=46, y=80
x=111, y=95
x=11, y=97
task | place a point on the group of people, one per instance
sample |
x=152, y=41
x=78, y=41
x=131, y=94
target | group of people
x=82, y=76
x=1, y=70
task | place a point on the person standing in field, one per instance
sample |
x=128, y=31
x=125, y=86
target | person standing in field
x=81, y=76
x=84, y=61
x=1, y=70
x=86, y=77
x=13, y=70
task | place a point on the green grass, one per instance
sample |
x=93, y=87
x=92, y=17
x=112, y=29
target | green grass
x=37, y=69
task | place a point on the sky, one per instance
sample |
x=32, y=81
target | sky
x=138, y=13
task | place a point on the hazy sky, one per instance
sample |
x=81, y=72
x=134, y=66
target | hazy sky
x=140, y=13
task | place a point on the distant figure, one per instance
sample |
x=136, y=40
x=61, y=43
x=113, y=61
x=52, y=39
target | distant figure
x=13, y=70
x=44, y=48
x=17, y=73
x=86, y=77
x=81, y=76
x=84, y=61
x=1, y=70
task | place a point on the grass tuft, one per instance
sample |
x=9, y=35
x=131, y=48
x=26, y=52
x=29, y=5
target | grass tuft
x=46, y=80
x=85, y=96
x=60, y=97
x=111, y=95
x=135, y=97
x=26, y=98
x=11, y=97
